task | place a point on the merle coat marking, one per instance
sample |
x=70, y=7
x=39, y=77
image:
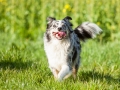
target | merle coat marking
x=62, y=45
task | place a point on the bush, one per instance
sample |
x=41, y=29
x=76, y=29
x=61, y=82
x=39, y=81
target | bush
x=28, y=18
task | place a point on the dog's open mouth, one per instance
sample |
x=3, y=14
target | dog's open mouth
x=59, y=35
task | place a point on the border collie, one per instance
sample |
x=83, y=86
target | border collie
x=62, y=45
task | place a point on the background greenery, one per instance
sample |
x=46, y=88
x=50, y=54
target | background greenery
x=28, y=18
x=23, y=64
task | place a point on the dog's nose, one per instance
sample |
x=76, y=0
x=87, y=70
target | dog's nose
x=59, y=29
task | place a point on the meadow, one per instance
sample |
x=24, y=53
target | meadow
x=23, y=63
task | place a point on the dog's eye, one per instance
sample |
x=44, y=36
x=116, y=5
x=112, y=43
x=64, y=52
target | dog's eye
x=64, y=26
x=54, y=26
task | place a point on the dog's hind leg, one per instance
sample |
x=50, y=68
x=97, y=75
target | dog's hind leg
x=75, y=70
x=65, y=70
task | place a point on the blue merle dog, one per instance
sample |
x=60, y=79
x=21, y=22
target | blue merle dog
x=62, y=45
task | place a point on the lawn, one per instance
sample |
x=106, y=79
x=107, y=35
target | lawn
x=23, y=66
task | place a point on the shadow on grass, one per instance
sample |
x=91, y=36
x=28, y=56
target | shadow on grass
x=14, y=58
x=14, y=65
x=94, y=75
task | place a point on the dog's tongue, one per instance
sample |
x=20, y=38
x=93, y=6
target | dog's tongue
x=61, y=34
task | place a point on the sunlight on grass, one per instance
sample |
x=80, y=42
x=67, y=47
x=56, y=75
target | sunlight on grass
x=23, y=65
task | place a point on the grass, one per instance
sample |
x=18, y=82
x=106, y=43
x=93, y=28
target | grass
x=23, y=66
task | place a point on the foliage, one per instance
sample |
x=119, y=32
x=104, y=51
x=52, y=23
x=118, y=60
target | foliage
x=28, y=18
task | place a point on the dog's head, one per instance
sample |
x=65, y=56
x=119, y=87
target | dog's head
x=58, y=29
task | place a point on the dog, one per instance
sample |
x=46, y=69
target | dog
x=62, y=45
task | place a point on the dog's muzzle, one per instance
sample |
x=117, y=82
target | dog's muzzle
x=59, y=35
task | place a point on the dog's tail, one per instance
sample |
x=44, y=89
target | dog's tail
x=87, y=30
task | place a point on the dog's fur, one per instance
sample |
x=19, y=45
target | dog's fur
x=62, y=45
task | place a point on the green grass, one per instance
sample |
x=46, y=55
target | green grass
x=23, y=66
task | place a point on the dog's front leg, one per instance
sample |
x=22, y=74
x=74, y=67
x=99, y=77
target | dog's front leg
x=65, y=70
x=55, y=72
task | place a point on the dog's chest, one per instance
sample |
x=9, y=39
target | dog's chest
x=57, y=53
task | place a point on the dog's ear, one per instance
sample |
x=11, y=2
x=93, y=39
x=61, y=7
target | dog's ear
x=67, y=18
x=50, y=19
